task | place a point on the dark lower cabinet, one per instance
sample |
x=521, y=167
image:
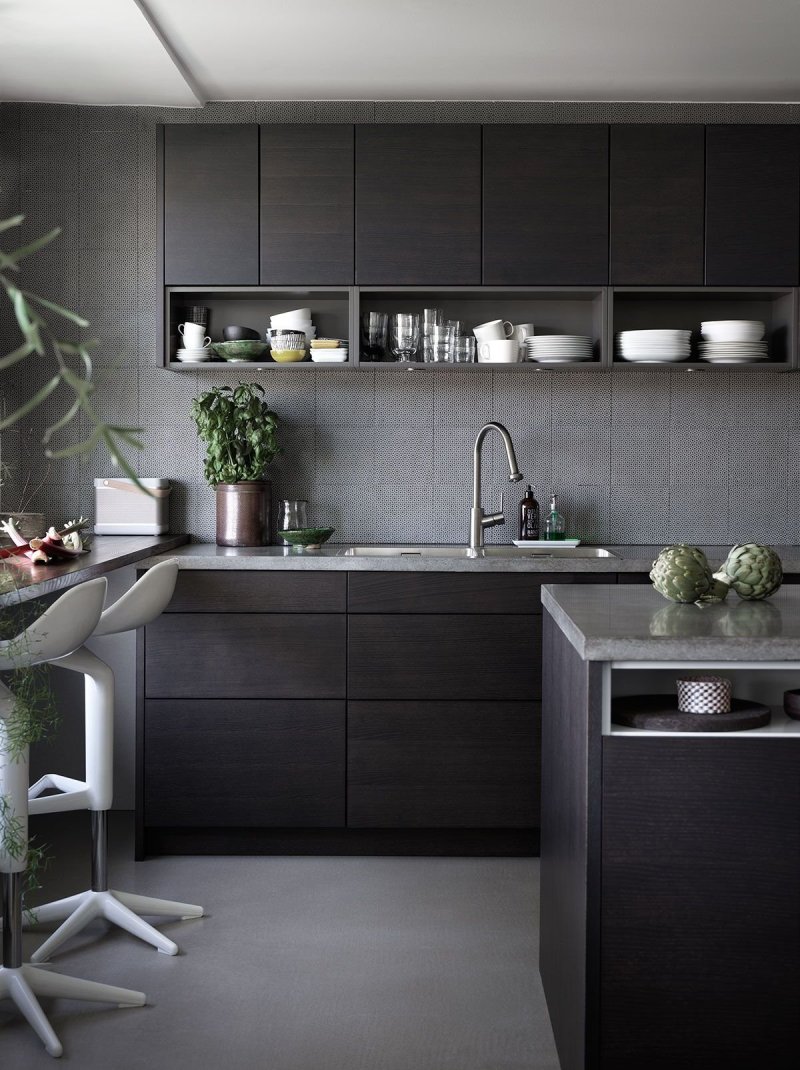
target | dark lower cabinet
x=545, y=205
x=418, y=204
x=443, y=764
x=245, y=764
x=752, y=205
x=657, y=186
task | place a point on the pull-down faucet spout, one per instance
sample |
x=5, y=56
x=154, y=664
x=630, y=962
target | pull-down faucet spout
x=477, y=519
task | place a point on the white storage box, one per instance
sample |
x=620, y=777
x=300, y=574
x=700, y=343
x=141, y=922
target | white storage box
x=121, y=508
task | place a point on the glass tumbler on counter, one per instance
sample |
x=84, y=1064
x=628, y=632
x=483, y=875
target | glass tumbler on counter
x=292, y=515
x=374, y=331
x=404, y=341
x=441, y=344
x=465, y=349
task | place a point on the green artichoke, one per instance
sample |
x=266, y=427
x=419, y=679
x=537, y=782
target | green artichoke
x=682, y=573
x=753, y=571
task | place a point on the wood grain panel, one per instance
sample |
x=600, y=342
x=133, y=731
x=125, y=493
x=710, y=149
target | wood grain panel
x=752, y=205
x=246, y=655
x=307, y=210
x=657, y=188
x=249, y=764
x=418, y=204
x=258, y=592
x=545, y=205
x=443, y=764
x=211, y=204
x=455, y=592
x=701, y=925
x=445, y=657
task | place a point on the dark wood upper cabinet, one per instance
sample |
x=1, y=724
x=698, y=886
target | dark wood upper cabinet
x=656, y=189
x=752, y=205
x=211, y=204
x=418, y=204
x=545, y=205
x=307, y=204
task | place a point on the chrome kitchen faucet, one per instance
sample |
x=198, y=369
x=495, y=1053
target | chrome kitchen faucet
x=477, y=520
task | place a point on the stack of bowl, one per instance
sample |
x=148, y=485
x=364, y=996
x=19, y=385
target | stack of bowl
x=288, y=347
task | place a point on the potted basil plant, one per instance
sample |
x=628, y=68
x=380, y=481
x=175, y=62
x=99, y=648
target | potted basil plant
x=239, y=431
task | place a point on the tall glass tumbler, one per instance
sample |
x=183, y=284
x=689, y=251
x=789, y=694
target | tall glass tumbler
x=404, y=335
x=292, y=515
x=431, y=317
x=374, y=336
x=441, y=344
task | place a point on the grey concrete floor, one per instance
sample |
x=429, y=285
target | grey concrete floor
x=302, y=964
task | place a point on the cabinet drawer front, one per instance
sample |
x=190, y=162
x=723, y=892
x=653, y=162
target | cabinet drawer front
x=444, y=656
x=443, y=764
x=258, y=592
x=244, y=764
x=245, y=655
x=455, y=592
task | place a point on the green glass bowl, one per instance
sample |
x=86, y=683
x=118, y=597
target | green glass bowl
x=310, y=538
x=245, y=349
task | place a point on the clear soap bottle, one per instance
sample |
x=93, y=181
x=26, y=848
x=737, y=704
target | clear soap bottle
x=529, y=516
x=554, y=527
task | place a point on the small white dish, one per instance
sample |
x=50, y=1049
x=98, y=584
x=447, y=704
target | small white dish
x=192, y=356
x=329, y=356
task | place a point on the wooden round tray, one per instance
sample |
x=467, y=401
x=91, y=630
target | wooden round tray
x=660, y=713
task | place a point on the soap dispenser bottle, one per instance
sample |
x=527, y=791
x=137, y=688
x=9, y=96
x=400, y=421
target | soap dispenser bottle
x=554, y=527
x=529, y=516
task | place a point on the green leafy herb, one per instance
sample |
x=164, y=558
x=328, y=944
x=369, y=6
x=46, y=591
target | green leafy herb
x=239, y=430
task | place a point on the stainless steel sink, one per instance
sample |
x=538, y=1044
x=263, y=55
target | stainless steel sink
x=464, y=551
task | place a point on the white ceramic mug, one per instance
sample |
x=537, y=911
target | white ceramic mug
x=194, y=335
x=493, y=331
x=522, y=331
x=498, y=351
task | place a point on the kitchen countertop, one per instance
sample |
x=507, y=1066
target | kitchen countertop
x=107, y=553
x=330, y=558
x=635, y=623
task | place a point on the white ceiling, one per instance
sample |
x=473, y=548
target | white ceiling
x=185, y=52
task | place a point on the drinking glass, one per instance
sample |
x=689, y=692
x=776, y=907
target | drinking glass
x=441, y=344
x=465, y=349
x=292, y=515
x=405, y=335
x=374, y=327
x=431, y=317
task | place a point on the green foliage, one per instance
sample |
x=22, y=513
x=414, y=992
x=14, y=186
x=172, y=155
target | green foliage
x=239, y=430
x=41, y=344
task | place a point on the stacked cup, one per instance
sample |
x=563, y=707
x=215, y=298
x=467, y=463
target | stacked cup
x=195, y=343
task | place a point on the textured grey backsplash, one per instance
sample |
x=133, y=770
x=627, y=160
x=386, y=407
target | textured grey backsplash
x=636, y=456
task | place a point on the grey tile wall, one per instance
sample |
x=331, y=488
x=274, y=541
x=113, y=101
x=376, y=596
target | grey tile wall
x=648, y=457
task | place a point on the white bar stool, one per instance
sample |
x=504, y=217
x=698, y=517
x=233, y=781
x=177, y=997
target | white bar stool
x=145, y=601
x=64, y=626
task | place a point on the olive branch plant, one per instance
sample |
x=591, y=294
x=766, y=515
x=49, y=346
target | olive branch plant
x=41, y=323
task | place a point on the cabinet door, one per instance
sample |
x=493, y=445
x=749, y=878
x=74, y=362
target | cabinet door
x=752, y=205
x=245, y=764
x=210, y=204
x=418, y=205
x=545, y=205
x=443, y=764
x=657, y=188
x=307, y=204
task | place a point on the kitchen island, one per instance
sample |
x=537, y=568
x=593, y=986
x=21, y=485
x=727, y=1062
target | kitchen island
x=670, y=874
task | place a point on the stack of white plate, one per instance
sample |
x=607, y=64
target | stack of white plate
x=330, y=354
x=732, y=341
x=654, y=346
x=192, y=356
x=558, y=348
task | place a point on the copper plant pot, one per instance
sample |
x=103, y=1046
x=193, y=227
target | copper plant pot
x=243, y=513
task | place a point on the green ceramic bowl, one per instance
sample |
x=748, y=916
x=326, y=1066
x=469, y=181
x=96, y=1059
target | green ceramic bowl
x=310, y=538
x=245, y=349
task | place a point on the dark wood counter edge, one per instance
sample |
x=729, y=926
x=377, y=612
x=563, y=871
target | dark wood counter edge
x=108, y=552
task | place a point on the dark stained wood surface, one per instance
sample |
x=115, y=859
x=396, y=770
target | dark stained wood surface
x=657, y=186
x=545, y=204
x=307, y=210
x=752, y=205
x=418, y=204
x=244, y=763
x=444, y=657
x=246, y=655
x=570, y=846
x=259, y=592
x=211, y=204
x=701, y=926
x=443, y=764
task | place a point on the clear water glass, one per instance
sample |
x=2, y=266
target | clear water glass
x=465, y=349
x=292, y=515
x=374, y=332
x=441, y=344
x=431, y=317
x=404, y=341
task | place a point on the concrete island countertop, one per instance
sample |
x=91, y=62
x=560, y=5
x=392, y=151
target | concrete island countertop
x=635, y=623
x=331, y=558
